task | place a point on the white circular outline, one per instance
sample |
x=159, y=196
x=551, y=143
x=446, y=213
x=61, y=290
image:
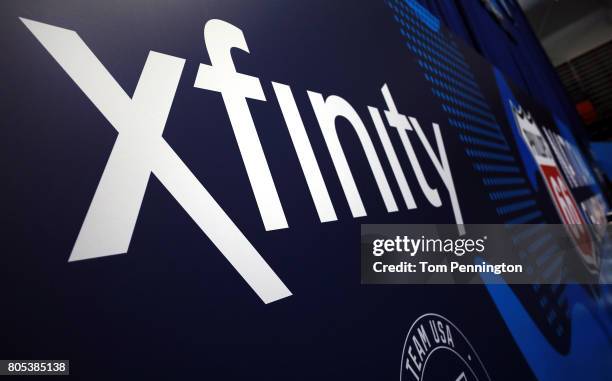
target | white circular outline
x=458, y=330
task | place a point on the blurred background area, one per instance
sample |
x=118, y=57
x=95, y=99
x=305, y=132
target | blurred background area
x=577, y=37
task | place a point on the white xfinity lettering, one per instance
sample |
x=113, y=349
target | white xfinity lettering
x=140, y=150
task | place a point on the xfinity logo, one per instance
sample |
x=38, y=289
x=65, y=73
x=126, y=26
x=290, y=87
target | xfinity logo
x=141, y=150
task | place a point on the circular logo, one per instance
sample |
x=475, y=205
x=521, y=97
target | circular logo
x=435, y=349
x=563, y=200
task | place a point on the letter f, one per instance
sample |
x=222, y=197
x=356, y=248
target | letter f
x=221, y=76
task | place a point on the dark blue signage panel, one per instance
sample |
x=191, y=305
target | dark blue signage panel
x=185, y=184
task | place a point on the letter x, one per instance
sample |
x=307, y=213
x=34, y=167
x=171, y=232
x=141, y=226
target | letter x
x=139, y=151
